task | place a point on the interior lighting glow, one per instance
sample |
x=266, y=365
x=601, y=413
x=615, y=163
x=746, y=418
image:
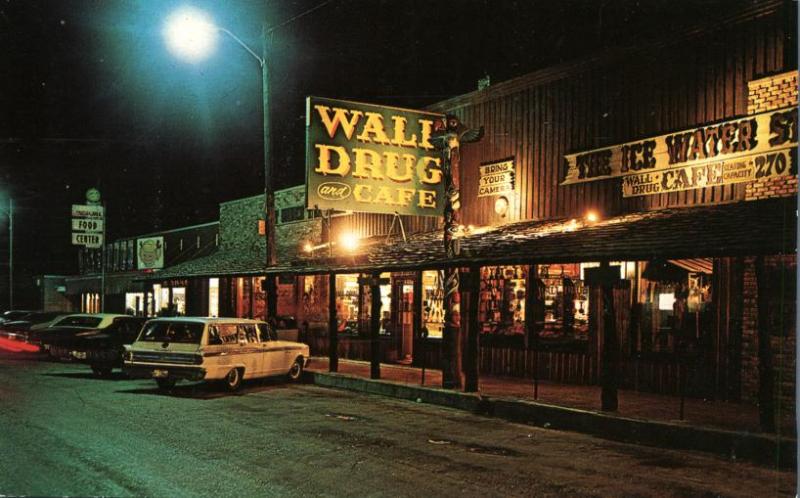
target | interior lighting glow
x=190, y=34
x=349, y=241
x=308, y=247
x=592, y=217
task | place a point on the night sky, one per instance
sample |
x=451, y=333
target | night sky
x=91, y=97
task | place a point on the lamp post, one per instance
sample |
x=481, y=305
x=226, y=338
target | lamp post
x=10, y=214
x=191, y=35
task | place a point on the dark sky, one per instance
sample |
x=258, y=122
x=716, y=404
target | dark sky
x=90, y=95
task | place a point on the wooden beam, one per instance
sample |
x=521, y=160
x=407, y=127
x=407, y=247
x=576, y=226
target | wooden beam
x=375, y=326
x=605, y=276
x=469, y=327
x=333, y=332
x=417, y=313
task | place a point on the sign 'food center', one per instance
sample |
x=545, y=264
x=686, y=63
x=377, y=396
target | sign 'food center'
x=361, y=157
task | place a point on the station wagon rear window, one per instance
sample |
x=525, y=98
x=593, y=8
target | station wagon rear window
x=181, y=332
x=78, y=321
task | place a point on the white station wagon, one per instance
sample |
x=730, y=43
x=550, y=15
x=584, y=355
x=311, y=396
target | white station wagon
x=226, y=349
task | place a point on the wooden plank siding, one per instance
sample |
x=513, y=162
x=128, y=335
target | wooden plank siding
x=618, y=99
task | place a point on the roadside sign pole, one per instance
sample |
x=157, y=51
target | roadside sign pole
x=89, y=231
x=103, y=266
x=10, y=253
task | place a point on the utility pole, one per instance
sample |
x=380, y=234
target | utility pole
x=10, y=253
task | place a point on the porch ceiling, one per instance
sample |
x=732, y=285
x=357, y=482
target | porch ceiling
x=735, y=229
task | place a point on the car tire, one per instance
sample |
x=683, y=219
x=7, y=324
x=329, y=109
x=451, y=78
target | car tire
x=101, y=371
x=296, y=370
x=166, y=384
x=233, y=379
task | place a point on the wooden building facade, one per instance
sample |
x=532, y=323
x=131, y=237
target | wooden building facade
x=687, y=313
x=690, y=291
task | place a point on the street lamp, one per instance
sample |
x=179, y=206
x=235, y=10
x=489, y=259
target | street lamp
x=191, y=35
x=10, y=214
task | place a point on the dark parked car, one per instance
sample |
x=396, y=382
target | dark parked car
x=102, y=349
x=19, y=329
x=12, y=315
x=59, y=337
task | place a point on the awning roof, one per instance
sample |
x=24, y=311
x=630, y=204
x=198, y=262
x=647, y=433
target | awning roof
x=697, y=265
x=736, y=229
x=225, y=262
x=116, y=283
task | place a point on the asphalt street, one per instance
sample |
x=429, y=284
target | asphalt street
x=67, y=433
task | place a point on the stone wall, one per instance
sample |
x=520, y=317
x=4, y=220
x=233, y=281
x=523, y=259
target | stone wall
x=291, y=237
x=238, y=224
x=767, y=94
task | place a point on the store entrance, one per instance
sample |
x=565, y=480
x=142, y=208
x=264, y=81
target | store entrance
x=403, y=310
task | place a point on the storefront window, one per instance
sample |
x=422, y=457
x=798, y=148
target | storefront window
x=347, y=303
x=386, y=327
x=90, y=302
x=159, y=300
x=675, y=298
x=502, y=300
x=179, y=300
x=213, y=297
x=432, y=303
x=134, y=303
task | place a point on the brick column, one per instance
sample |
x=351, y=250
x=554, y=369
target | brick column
x=767, y=94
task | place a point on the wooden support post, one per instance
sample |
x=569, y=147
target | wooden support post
x=534, y=316
x=451, y=344
x=375, y=326
x=417, y=318
x=469, y=328
x=766, y=387
x=609, y=400
x=333, y=326
x=604, y=277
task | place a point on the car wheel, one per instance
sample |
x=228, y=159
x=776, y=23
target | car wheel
x=296, y=370
x=101, y=371
x=166, y=384
x=233, y=380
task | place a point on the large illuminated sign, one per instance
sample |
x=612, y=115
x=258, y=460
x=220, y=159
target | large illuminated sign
x=754, y=147
x=373, y=159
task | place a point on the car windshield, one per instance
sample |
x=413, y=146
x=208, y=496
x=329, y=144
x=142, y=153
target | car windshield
x=15, y=315
x=42, y=317
x=184, y=332
x=79, y=321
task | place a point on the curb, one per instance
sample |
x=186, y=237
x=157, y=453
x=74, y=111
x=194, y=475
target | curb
x=757, y=448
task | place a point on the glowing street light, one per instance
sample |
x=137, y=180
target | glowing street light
x=190, y=34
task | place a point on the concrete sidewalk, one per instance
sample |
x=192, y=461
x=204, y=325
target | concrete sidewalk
x=727, y=429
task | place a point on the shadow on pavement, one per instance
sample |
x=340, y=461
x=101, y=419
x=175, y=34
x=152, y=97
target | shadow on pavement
x=116, y=376
x=210, y=390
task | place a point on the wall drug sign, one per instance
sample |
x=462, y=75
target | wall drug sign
x=755, y=147
x=373, y=159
